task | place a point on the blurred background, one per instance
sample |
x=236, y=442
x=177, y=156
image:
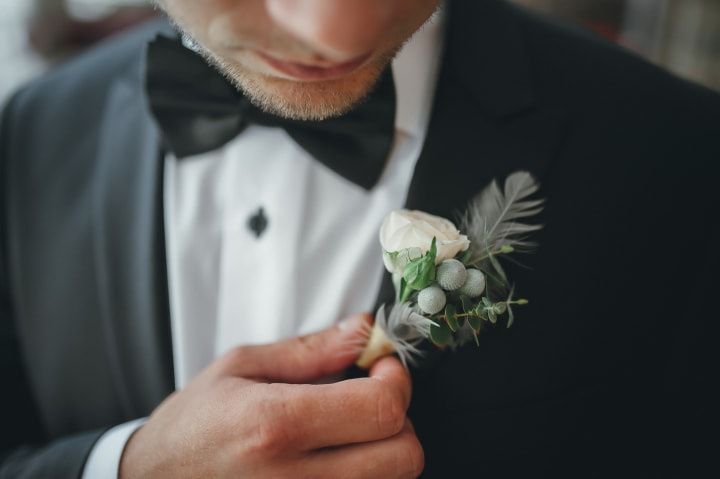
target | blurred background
x=681, y=35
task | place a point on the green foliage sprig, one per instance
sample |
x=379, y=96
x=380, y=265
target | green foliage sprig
x=418, y=273
x=462, y=316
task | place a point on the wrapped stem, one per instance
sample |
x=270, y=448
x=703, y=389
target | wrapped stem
x=398, y=333
x=378, y=346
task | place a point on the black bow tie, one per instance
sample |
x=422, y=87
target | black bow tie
x=199, y=110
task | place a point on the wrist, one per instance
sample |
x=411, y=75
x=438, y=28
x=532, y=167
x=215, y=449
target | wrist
x=104, y=459
x=128, y=459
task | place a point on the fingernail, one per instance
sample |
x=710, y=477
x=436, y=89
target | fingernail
x=353, y=323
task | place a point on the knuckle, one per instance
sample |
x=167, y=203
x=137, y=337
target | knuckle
x=270, y=437
x=307, y=348
x=390, y=412
x=311, y=343
x=273, y=431
x=234, y=356
x=238, y=352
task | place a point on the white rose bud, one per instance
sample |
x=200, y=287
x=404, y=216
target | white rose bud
x=404, y=229
x=431, y=300
x=451, y=274
x=474, y=285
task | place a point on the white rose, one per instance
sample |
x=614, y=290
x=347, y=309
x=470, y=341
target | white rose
x=408, y=233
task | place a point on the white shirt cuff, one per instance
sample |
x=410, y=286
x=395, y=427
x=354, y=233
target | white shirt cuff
x=104, y=459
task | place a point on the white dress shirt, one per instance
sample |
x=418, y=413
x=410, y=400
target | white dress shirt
x=319, y=259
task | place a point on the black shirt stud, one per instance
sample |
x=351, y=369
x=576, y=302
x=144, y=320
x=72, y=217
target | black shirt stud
x=258, y=223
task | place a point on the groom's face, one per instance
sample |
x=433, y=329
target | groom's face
x=301, y=58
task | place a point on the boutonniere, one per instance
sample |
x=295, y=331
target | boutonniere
x=450, y=282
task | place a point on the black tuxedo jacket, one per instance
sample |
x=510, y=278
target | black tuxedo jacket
x=607, y=373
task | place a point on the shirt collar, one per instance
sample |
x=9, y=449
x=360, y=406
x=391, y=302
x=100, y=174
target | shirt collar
x=415, y=70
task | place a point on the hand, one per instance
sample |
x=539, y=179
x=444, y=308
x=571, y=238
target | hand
x=251, y=414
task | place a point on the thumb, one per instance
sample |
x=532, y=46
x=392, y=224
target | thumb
x=303, y=359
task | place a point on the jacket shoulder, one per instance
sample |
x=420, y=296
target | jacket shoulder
x=75, y=92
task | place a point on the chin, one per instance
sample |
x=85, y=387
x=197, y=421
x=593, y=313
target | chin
x=298, y=100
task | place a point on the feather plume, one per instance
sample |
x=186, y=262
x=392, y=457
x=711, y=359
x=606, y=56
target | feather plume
x=405, y=329
x=492, y=220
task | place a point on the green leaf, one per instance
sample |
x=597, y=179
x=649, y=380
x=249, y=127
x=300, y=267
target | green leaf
x=466, y=304
x=500, y=308
x=392, y=255
x=480, y=311
x=406, y=292
x=477, y=340
x=420, y=273
x=451, y=318
x=474, y=322
x=511, y=317
x=433, y=249
x=441, y=335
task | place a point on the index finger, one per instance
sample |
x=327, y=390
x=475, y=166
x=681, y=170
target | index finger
x=391, y=371
x=348, y=412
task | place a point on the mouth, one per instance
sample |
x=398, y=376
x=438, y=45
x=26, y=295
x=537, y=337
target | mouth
x=305, y=72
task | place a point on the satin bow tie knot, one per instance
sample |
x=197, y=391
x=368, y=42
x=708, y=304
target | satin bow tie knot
x=199, y=110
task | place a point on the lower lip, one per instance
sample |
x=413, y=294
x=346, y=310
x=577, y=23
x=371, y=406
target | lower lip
x=311, y=73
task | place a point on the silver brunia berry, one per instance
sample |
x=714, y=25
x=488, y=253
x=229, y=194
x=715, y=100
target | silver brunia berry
x=451, y=274
x=431, y=300
x=474, y=285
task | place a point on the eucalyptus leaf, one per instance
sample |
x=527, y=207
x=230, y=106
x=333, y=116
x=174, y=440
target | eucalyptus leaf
x=466, y=304
x=451, y=318
x=441, y=335
x=474, y=322
x=475, y=335
x=500, y=308
x=480, y=311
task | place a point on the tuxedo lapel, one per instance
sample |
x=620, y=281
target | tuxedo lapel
x=130, y=253
x=485, y=122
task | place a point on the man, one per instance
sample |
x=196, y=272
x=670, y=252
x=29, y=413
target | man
x=153, y=219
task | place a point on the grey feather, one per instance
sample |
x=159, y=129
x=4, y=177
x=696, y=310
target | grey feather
x=405, y=328
x=492, y=220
